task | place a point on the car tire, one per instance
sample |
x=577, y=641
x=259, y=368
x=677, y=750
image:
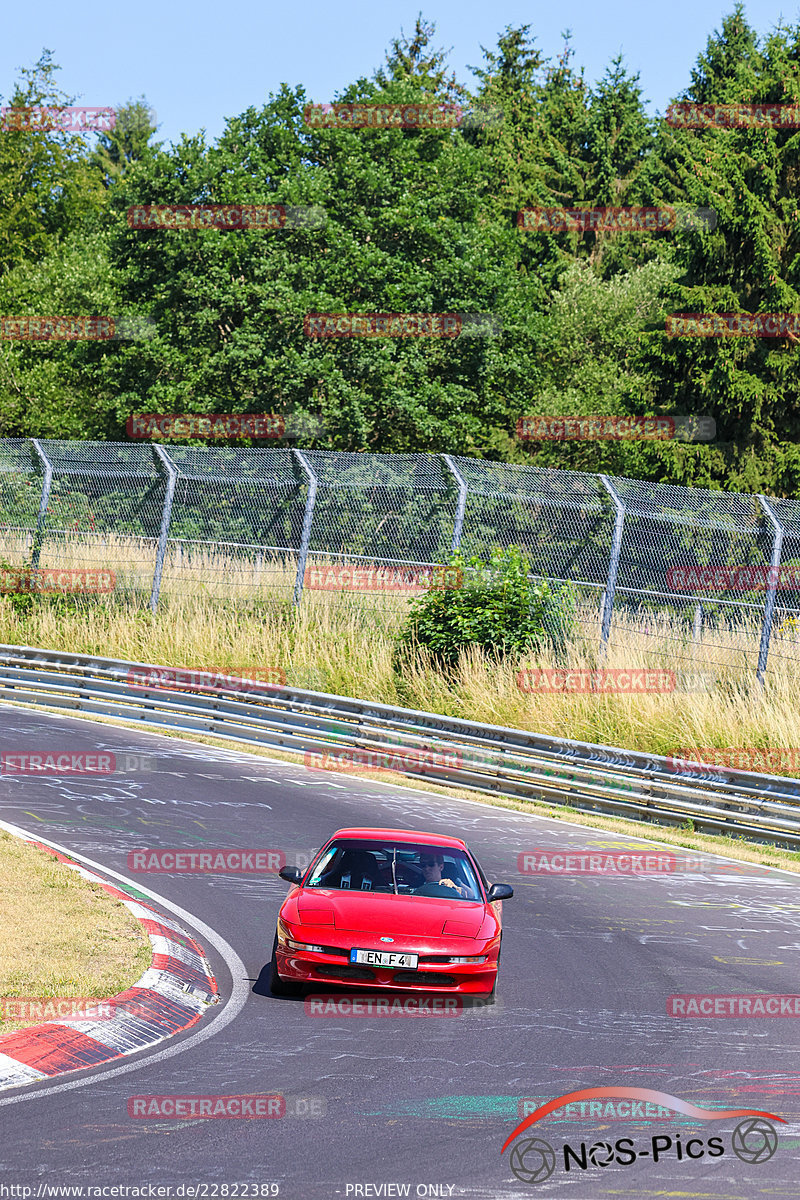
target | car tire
x=491, y=996
x=278, y=986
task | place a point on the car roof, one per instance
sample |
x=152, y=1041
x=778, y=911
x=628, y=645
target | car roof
x=403, y=835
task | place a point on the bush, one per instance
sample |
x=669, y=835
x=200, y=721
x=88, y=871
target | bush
x=14, y=588
x=496, y=606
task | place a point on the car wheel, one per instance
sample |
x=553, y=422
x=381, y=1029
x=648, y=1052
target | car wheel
x=278, y=986
x=491, y=996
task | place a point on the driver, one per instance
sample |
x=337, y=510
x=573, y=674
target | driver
x=431, y=864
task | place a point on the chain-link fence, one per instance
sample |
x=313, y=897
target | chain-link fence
x=250, y=522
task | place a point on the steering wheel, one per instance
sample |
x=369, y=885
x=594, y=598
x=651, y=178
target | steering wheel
x=408, y=877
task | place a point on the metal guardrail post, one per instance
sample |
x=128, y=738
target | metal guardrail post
x=613, y=564
x=461, y=507
x=308, y=517
x=164, y=462
x=47, y=483
x=772, y=587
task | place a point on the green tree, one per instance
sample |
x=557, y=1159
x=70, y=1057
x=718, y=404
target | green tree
x=128, y=142
x=46, y=183
x=749, y=263
x=402, y=235
x=58, y=389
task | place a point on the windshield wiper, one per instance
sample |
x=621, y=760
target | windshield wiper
x=394, y=870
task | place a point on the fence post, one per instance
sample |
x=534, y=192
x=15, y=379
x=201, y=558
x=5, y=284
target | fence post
x=772, y=587
x=47, y=483
x=458, y=524
x=308, y=517
x=165, y=463
x=613, y=564
x=698, y=623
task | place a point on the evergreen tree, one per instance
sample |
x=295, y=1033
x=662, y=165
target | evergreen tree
x=749, y=263
x=46, y=185
x=127, y=142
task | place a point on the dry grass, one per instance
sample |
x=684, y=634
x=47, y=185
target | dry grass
x=345, y=644
x=67, y=937
x=217, y=569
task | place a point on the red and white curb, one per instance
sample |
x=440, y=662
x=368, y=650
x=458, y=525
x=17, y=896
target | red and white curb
x=172, y=995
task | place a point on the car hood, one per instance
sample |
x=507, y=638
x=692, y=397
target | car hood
x=423, y=916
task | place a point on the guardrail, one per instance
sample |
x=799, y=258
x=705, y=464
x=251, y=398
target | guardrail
x=439, y=749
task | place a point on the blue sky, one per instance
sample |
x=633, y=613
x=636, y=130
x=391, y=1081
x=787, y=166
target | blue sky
x=200, y=62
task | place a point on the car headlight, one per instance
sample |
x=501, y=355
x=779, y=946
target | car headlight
x=476, y=959
x=290, y=944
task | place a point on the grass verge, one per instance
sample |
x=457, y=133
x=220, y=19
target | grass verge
x=62, y=936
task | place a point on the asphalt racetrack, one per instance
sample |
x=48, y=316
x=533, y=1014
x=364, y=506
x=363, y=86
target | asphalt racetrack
x=411, y=1106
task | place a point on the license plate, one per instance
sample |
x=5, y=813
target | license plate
x=384, y=958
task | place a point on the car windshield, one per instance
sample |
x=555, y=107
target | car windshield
x=402, y=868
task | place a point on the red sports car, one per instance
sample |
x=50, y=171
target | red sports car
x=390, y=909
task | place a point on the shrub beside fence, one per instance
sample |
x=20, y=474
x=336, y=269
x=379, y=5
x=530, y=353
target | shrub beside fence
x=245, y=522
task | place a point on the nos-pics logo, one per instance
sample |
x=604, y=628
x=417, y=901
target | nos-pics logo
x=533, y=1160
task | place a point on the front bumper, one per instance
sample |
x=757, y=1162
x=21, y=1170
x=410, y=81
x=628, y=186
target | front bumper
x=305, y=966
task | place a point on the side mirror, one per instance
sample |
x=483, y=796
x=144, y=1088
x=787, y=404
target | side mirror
x=291, y=874
x=499, y=891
